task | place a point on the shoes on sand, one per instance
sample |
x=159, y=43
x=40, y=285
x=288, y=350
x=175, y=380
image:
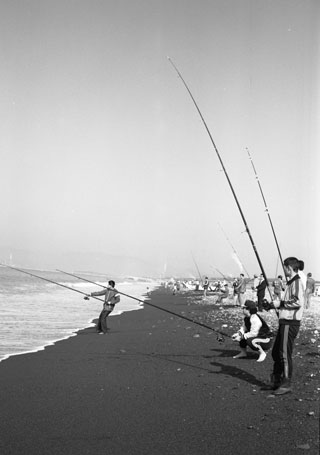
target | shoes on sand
x=282, y=390
x=262, y=356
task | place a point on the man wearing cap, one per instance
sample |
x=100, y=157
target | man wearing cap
x=254, y=333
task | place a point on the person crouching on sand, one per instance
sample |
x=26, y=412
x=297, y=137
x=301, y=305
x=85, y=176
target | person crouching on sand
x=254, y=333
x=290, y=311
x=111, y=297
x=224, y=293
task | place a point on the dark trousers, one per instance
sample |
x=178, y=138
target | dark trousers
x=282, y=351
x=260, y=296
x=102, y=323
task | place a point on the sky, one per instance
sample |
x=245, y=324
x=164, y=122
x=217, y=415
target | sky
x=103, y=152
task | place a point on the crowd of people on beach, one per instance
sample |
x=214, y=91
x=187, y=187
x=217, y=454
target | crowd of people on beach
x=288, y=296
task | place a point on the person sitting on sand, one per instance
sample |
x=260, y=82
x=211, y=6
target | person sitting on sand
x=254, y=333
x=111, y=297
x=224, y=293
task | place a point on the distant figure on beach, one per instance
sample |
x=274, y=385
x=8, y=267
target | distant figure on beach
x=310, y=289
x=235, y=291
x=176, y=287
x=261, y=291
x=111, y=297
x=224, y=293
x=241, y=289
x=255, y=285
x=290, y=313
x=205, y=287
x=303, y=276
x=278, y=287
x=254, y=333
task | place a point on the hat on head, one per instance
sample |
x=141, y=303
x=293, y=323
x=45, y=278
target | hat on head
x=249, y=305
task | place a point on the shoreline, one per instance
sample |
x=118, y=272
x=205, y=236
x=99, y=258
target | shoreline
x=45, y=329
x=90, y=323
x=154, y=384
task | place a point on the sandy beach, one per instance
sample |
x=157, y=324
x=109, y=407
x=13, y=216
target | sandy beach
x=157, y=384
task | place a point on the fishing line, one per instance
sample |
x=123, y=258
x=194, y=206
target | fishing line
x=122, y=293
x=267, y=211
x=49, y=281
x=223, y=334
x=226, y=174
x=196, y=267
x=233, y=249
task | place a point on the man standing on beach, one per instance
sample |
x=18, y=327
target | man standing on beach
x=290, y=313
x=310, y=289
x=235, y=291
x=255, y=285
x=111, y=297
x=261, y=291
x=205, y=287
x=241, y=289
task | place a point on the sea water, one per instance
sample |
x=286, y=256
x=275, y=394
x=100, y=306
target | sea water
x=36, y=313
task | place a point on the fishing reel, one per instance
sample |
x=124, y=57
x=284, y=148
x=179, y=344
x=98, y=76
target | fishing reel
x=236, y=337
x=220, y=338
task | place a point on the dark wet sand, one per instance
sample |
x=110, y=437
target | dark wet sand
x=155, y=384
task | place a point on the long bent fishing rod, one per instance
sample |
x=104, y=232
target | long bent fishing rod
x=233, y=249
x=196, y=267
x=49, y=281
x=267, y=211
x=226, y=174
x=220, y=273
x=153, y=305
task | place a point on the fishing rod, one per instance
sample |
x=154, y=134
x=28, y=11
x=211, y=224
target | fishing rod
x=197, y=267
x=49, y=281
x=276, y=274
x=223, y=334
x=220, y=273
x=226, y=174
x=233, y=249
x=267, y=211
x=98, y=284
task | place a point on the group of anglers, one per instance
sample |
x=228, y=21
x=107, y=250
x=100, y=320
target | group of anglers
x=255, y=333
x=290, y=307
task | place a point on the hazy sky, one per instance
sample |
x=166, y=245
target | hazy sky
x=103, y=151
